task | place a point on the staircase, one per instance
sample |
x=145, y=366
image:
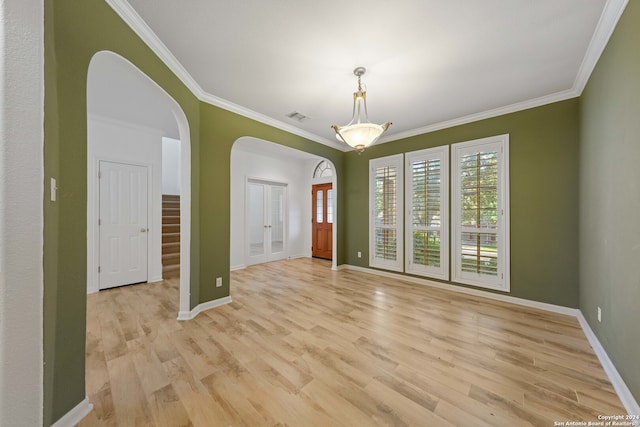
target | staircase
x=170, y=236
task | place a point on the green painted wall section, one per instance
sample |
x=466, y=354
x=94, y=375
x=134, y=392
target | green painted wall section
x=74, y=32
x=610, y=198
x=543, y=144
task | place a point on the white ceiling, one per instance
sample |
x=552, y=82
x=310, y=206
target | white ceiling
x=430, y=63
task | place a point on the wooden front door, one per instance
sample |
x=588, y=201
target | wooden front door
x=322, y=221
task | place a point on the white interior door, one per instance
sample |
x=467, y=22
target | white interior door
x=276, y=222
x=266, y=207
x=256, y=224
x=123, y=224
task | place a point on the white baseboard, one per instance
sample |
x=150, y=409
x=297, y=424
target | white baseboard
x=618, y=383
x=75, y=415
x=188, y=315
x=155, y=279
x=237, y=267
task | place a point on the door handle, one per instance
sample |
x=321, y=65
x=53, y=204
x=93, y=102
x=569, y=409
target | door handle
x=144, y=230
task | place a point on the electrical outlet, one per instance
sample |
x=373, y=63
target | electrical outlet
x=359, y=254
x=218, y=282
x=599, y=314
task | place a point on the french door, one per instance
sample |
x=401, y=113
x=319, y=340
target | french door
x=123, y=224
x=266, y=230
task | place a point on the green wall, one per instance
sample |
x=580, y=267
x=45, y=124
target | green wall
x=543, y=144
x=610, y=198
x=545, y=154
x=74, y=32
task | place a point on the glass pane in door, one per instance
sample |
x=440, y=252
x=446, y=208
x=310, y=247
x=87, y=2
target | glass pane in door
x=256, y=219
x=319, y=206
x=277, y=218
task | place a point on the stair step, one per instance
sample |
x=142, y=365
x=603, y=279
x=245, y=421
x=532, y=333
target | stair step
x=171, y=211
x=170, y=237
x=171, y=248
x=170, y=228
x=170, y=202
x=170, y=259
x=170, y=219
x=169, y=271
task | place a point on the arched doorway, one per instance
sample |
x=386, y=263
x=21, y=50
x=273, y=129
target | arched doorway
x=128, y=114
x=323, y=216
x=259, y=162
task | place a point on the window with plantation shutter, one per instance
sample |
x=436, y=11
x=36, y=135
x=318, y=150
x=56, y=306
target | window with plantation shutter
x=427, y=220
x=480, y=220
x=386, y=207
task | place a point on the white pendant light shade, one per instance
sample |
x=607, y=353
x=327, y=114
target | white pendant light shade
x=360, y=133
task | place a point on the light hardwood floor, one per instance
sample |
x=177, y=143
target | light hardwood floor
x=301, y=345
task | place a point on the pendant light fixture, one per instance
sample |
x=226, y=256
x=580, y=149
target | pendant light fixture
x=360, y=133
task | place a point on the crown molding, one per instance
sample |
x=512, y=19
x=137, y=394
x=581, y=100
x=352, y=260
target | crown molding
x=611, y=14
x=137, y=24
x=519, y=106
x=254, y=115
x=606, y=24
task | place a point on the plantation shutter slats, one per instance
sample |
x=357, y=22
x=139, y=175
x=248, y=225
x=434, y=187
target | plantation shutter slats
x=479, y=201
x=387, y=212
x=386, y=207
x=480, y=253
x=427, y=208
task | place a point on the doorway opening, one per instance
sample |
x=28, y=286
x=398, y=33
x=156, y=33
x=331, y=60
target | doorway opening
x=267, y=223
x=255, y=162
x=128, y=115
x=322, y=221
x=323, y=212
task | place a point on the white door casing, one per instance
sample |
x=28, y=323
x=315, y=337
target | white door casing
x=123, y=224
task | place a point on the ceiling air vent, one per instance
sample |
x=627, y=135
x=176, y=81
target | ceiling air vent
x=297, y=116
